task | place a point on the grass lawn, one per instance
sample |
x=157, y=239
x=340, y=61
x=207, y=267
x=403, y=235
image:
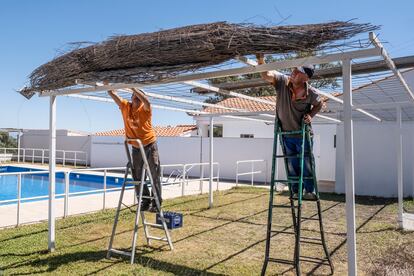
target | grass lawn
x=225, y=240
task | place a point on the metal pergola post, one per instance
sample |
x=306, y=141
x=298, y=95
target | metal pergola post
x=18, y=146
x=52, y=173
x=210, y=184
x=400, y=167
x=349, y=167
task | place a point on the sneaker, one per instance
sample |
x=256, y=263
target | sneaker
x=145, y=205
x=310, y=196
x=153, y=209
x=295, y=196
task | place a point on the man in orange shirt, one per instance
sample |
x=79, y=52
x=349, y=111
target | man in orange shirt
x=137, y=116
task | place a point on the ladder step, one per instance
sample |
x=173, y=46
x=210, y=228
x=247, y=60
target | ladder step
x=283, y=206
x=297, y=177
x=286, y=181
x=302, y=259
x=281, y=261
x=136, y=182
x=288, y=156
x=157, y=238
x=304, y=199
x=159, y=226
x=314, y=200
x=292, y=155
x=148, y=197
x=289, y=132
x=133, y=182
x=120, y=252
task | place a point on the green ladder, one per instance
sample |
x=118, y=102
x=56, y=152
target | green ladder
x=296, y=209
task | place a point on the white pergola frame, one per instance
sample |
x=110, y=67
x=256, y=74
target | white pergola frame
x=192, y=79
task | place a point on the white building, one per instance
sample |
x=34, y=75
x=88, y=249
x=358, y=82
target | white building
x=252, y=140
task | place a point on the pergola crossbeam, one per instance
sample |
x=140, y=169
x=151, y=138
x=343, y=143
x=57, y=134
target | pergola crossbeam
x=178, y=99
x=229, y=93
x=157, y=106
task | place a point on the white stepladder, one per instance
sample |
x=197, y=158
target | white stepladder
x=129, y=169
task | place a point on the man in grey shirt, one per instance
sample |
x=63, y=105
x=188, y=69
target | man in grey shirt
x=296, y=100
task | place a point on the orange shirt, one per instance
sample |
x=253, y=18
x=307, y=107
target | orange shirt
x=137, y=124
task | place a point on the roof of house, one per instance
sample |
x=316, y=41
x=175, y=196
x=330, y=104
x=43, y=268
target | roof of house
x=253, y=106
x=160, y=131
x=245, y=104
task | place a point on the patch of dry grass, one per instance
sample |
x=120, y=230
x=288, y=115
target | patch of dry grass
x=225, y=240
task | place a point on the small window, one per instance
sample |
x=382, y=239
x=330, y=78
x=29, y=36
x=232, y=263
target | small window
x=217, y=131
x=246, y=136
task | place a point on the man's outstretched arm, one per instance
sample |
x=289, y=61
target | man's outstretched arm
x=143, y=98
x=117, y=99
x=267, y=76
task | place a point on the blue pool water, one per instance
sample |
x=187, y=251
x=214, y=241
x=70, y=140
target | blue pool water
x=38, y=184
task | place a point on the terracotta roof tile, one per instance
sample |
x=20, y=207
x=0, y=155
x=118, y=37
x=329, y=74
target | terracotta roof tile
x=160, y=131
x=249, y=105
x=253, y=106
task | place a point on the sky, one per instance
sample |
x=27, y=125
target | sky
x=34, y=32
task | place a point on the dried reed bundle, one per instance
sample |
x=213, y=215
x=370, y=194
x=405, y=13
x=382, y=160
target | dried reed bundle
x=150, y=57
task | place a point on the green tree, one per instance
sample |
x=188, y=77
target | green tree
x=6, y=141
x=269, y=90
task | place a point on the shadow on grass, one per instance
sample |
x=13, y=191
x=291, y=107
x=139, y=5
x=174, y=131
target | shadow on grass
x=219, y=226
x=67, y=224
x=286, y=228
x=358, y=230
x=360, y=200
x=225, y=205
x=109, y=215
x=98, y=258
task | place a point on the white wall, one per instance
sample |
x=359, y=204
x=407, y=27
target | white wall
x=110, y=152
x=232, y=128
x=235, y=128
x=39, y=139
x=375, y=155
x=324, y=150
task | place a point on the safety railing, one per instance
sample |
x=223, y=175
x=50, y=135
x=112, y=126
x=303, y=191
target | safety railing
x=104, y=191
x=19, y=199
x=33, y=155
x=175, y=176
x=186, y=176
x=253, y=170
x=117, y=172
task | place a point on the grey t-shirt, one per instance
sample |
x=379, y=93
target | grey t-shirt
x=289, y=111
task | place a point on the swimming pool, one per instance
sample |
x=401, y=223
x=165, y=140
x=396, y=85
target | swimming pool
x=36, y=185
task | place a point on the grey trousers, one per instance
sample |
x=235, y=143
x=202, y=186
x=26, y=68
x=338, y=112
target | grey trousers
x=151, y=152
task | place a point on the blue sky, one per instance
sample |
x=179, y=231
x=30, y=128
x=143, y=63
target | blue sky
x=33, y=32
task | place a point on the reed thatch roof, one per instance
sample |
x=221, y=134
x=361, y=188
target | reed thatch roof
x=150, y=57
